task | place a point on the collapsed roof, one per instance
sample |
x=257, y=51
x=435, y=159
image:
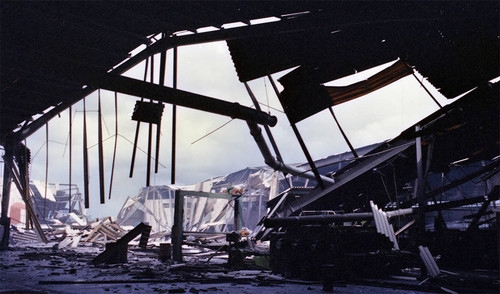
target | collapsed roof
x=466, y=130
x=52, y=52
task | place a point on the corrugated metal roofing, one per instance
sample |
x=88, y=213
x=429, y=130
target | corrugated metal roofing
x=454, y=44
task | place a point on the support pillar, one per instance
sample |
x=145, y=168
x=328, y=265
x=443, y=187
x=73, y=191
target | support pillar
x=237, y=213
x=174, y=119
x=177, y=228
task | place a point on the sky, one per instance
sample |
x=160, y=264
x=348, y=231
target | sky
x=207, y=69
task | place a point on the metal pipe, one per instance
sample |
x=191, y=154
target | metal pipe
x=183, y=98
x=148, y=169
x=315, y=219
x=150, y=129
x=266, y=128
x=24, y=171
x=137, y=128
x=269, y=159
x=331, y=218
x=85, y=158
x=161, y=81
x=100, y=150
x=343, y=134
x=174, y=119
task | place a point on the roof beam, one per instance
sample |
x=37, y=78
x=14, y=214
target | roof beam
x=164, y=45
x=164, y=94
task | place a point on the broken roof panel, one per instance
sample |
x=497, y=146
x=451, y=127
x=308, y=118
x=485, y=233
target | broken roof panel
x=303, y=97
x=455, y=44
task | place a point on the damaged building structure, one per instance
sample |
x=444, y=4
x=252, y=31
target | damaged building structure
x=432, y=191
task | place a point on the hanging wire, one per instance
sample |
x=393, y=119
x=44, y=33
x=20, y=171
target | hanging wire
x=142, y=150
x=273, y=108
x=71, y=125
x=385, y=186
x=213, y=131
x=216, y=129
x=267, y=96
x=36, y=153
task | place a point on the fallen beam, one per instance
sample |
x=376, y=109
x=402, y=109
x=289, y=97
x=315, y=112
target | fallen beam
x=365, y=164
x=29, y=208
x=332, y=218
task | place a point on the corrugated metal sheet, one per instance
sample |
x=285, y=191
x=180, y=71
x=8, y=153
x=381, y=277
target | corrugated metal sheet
x=387, y=76
x=303, y=98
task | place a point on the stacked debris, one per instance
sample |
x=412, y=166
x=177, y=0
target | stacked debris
x=155, y=204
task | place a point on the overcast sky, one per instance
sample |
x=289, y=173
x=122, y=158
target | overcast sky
x=207, y=69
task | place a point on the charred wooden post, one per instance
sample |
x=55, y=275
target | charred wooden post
x=237, y=213
x=177, y=229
